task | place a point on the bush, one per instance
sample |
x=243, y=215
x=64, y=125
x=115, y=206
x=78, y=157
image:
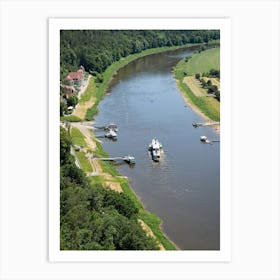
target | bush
x=203, y=83
x=214, y=73
x=212, y=89
x=218, y=95
x=72, y=101
x=70, y=119
x=99, y=78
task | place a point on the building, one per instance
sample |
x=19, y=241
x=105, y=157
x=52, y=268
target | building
x=75, y=78
x=67, y=91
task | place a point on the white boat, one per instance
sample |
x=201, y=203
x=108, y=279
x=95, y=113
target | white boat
x=204, y=139
x=129, y=159
x=112, y=126
x=111, y=134
x=155, y=148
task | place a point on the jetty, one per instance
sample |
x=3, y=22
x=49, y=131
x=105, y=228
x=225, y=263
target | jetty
x=205, y=140
x=111, y=134
x=197, y=124
x=128, y=159
x=110, y=126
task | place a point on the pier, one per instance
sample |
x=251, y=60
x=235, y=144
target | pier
x=197, y=124
x=204, y=139
x=128, y=159
x=108, y=127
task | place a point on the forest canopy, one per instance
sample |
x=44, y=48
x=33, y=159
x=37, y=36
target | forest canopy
x=97, y=49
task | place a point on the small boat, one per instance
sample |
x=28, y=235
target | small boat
x=155, y=148
x=204, y=139
x=112, y=126
x=129, y=159
x=111, y=134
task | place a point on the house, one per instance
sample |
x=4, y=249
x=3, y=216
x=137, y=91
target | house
x=67, y=91
x=75, y=78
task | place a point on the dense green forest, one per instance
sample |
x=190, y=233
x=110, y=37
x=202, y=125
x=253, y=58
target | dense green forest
x=97, y=49
x=93, y=217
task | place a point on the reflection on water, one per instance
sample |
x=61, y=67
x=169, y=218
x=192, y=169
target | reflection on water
x=183, y=189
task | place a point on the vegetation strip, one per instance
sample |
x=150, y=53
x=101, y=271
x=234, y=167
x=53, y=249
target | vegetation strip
x=200, y=63
x=87, y=99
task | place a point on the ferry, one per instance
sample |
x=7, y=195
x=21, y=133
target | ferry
x=155, y=149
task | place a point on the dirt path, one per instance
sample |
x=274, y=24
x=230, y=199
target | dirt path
x=86, y=129
x=195, y=86
x=81, y=108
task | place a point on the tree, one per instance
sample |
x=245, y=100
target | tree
x=72, y=101
x=121, y=202
x=63, y=108
x=65, y=144
x=218, y=95
x=197, y=76
x=203, y=83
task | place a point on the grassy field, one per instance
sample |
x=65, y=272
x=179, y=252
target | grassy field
x=85, y=164
x=87, y=99
x=77, y=137
x=203, y=61
x=70, y=118
x=199, y=63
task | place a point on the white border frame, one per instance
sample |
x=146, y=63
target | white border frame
x=224, y=254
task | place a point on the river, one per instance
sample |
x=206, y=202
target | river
x=183, y=189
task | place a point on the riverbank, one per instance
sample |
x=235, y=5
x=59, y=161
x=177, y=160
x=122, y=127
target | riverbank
x=89, y=148
x=104, y=172
x=193, y=94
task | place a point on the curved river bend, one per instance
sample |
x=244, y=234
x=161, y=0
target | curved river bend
x=183, y=189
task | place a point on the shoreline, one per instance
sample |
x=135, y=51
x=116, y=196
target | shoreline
x=193, y=97
x=216, y=128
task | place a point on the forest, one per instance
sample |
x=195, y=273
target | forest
x=93, y=217
x=97, y=49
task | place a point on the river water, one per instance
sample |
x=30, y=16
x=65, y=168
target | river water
x=183, y=189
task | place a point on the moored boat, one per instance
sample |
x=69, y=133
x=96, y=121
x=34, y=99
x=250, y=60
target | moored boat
x=111, y=134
